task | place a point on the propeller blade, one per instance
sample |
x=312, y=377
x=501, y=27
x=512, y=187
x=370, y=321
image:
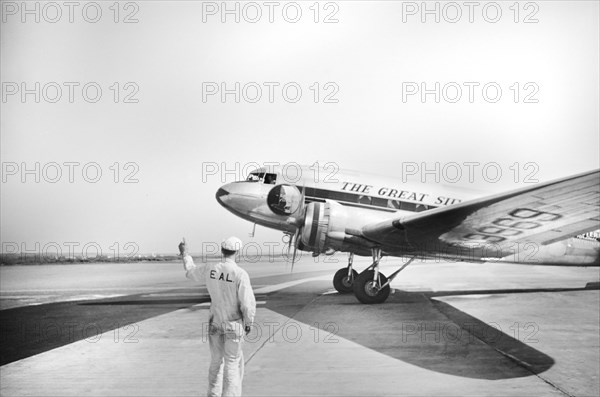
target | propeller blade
x=296, y=237
x=289, y=248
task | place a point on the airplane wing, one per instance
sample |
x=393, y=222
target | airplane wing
x=494, y=226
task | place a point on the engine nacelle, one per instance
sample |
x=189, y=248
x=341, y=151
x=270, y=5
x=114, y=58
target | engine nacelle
x=324, y=226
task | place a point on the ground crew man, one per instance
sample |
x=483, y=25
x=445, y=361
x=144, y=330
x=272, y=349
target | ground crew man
x=232, y=310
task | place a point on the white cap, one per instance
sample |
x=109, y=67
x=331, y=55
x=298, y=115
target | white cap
x=231, y=244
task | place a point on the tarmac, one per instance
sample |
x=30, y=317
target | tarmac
x=449, y=329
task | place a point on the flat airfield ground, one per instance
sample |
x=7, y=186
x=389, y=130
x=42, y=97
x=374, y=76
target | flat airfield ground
x=449, y=329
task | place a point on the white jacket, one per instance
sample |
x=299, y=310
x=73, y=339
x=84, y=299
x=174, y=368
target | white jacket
x=229, y=287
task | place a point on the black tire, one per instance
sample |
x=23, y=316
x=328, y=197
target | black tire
x=341, y=283
x=364, y=291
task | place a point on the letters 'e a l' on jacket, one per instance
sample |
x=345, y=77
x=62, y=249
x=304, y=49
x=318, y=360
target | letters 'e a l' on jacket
x=231, y=294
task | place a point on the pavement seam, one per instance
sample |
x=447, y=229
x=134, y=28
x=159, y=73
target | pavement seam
x=509, y=356
x=280, y=327
x=527, y=368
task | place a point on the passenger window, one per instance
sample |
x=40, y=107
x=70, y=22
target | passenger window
x=395, y=204
x=364, y=200
x=379, y=202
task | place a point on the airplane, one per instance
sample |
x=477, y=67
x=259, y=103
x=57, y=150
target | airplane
x=541, y=224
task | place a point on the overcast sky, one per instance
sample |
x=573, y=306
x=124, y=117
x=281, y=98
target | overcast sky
x=164, y=125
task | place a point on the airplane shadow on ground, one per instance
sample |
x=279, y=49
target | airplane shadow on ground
x=29, y=330
x=416, y=328
x=412, y=327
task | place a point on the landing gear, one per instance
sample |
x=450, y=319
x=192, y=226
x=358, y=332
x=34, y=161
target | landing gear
x=371, y=286
x=344, y=278
x=369, y=290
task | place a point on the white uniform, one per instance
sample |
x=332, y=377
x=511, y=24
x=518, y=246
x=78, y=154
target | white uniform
x=233, y=307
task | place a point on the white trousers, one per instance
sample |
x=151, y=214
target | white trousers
x=226, y=369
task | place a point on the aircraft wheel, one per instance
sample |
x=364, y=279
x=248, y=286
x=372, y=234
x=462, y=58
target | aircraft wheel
x=368, y=291
x=342, y=283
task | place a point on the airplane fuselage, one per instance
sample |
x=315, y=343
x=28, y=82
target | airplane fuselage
x=276, y=199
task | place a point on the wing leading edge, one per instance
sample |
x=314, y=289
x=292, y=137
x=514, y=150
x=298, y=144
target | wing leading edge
x=499, y=225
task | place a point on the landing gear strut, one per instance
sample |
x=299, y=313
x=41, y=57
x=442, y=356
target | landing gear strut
x=344, y=278
x=371, y=286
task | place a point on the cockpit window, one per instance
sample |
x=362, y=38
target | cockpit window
x=255, y=177
x=270, y=179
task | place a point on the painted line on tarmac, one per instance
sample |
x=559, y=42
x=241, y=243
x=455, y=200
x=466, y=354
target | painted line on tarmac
x=207, y=304
x=92, y=290
x=272, y=288
x=170, y=295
